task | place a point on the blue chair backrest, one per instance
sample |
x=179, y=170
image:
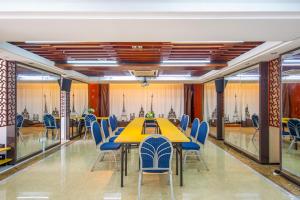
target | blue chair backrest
x=195, y=128
x=112, y=123
x=88, y=119
x=19, y=121
x=186, y=122
x=203, y=132
x=182, y=121
x=95, y=129
x=294, y=127
x=105, y=128
x=49, y=121
x=156, y=153
x=255, y=120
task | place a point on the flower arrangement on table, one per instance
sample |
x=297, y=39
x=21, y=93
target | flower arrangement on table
x=91, y=110
x=150, y=115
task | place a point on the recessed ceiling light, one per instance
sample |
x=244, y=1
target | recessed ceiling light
x=92, y=62
x=185, y=61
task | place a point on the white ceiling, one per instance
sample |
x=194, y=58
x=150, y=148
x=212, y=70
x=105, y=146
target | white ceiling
x=149, y=20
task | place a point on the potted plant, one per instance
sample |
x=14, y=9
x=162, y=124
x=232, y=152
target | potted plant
x=91, y=110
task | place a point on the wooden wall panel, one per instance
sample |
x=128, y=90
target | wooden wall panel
x=94, y=97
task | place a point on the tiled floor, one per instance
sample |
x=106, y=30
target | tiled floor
x=66, y=175
x=290, y=158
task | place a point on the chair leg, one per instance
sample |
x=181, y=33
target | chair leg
x=171, y=185
x=96, y=161
x=85, y=132
x=20, y=135
x=185, y=156
x=200, y=157
x=253, y=136
x=292, y=144
x=140, y=185
x=56, y=134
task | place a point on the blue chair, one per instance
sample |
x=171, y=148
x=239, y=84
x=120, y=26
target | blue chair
x=113, y=123
x=185, y=123
x=19, y=124
x=294, y=129
x=194, y=130
x=105, y=131
x=181, y=121
x=103, y=147
x=195, y=147
x=50, y=124
x=255, y=122
x=88, y=119
x=155, y=157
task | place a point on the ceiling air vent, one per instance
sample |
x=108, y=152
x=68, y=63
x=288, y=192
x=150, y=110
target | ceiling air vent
x=144, y=73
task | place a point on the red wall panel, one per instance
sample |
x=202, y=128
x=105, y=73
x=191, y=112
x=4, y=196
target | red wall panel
x=198, y=101
x=94, y=97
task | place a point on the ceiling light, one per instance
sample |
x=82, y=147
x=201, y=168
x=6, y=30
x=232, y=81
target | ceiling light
x=92, y=62
x=185, y=61
x=36, y=78
x=175, y=75
x=206, y=42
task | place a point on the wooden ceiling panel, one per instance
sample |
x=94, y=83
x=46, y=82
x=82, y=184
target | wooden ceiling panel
x=144, y=54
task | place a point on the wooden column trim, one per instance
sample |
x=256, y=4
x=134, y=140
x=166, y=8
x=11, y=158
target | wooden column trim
x=264, y=113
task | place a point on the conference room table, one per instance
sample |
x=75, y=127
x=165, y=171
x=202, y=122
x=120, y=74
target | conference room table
x=134, y=133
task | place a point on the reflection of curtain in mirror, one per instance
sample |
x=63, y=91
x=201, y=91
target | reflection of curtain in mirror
x=247, y=94
x=165, y=96
x=210, y=100
x=285, y=100
x=80, y=91
x=32, y=94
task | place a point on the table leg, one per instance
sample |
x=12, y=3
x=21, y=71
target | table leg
x=122, y=160
x=176, y=161
x=181, y=169
x=126, y=153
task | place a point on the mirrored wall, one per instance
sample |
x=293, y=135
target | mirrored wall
x=210, y=107
x=241, y=111
x=290, y=112
x=78, y=107
x=38, y=111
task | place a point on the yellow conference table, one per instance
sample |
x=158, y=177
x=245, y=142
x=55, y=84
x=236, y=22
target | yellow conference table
x=133, y=134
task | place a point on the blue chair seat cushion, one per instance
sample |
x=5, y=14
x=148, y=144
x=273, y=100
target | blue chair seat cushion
x=190, y=146
x=285, y=133
x=155, y=171
x=112, y=139
x=118, y=132
x=109, y=146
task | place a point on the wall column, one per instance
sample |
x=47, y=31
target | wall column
x=8, y=106
x=65, y=115
x=220, y=87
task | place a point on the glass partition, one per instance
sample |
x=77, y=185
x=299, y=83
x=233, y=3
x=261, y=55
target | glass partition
x=78, y=107
x=290, y=113
x=38, y=111
x=241, y=108
x=210, y=107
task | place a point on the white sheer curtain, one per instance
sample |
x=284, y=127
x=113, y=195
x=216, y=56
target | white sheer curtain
x=164, y=96
x=31, y=96
x=80, y=92
x=247, y=94
x=210, y=99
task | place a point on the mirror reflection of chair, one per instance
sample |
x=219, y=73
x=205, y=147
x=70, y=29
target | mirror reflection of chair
x=195, y=147
x=155, y=157
x=294, y=129
x=255, y=122
x=50, y=124
x=88, y=119
x=101, y=145
x=81, y=124
x=19, y=124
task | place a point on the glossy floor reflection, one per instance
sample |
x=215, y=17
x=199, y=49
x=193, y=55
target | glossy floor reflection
x=33, y=139
x=290, y=158
x=66, y=175
x=241, y=137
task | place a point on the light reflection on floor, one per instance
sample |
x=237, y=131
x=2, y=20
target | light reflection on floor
x=66, y=175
